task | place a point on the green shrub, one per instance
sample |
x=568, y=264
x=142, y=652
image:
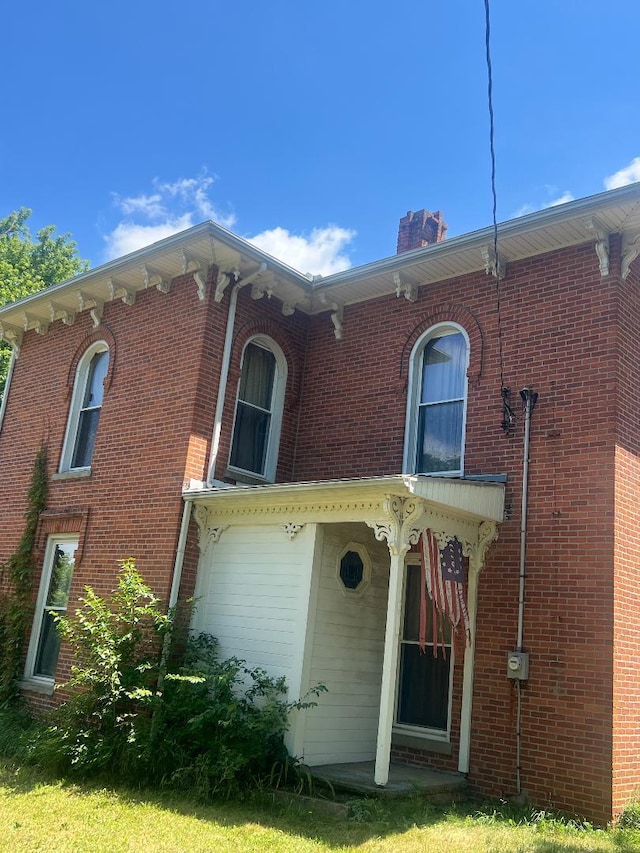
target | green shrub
x=630, y=817
x=138, y=709
x=16, y=581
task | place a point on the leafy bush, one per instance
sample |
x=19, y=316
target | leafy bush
x=138, y=709
x=16, y=582
x=630, y=817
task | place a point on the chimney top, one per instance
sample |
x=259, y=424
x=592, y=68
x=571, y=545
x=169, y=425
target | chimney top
x=420, y=229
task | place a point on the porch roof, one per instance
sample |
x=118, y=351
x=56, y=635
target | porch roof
x=354, y=499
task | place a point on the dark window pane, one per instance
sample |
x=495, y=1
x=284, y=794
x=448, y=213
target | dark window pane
x=94, y=389
x=48, y=647
x=424, y=688
x=351, y=570
x=61, y=574
x=439, y=437
x=258, y=371
x=444, y=370
x=250, y=439
x=86, y=438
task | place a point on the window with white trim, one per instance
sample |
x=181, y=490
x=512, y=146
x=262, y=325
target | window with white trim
x=53, y=598
x=85, y=409
x=437, y=402
x=259, y=406
x=424, y=681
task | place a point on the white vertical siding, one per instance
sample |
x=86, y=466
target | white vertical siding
x=253, y=594
x=346, y=656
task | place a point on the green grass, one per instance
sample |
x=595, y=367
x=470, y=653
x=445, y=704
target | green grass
x=40, y=813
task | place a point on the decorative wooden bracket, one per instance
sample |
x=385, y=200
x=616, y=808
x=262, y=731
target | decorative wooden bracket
x=199, y=270
x=120, y=291
x=96, y=306
x=222, y=282
x=40, y=327
x=601, y=245
x=409, y=291
x=12, y=335
x=630, y=251
x=337, y=314
x=493, y=264
x=291, y=529
x=59, y=312
x=152, y=278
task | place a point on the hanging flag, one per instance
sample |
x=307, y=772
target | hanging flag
x=444, y=577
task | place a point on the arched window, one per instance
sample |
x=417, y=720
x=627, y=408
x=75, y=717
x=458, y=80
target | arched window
x=437, y=401
x=86, y=405
x=258, y=416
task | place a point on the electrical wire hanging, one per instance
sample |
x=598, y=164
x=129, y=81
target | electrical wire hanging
x=508, y=416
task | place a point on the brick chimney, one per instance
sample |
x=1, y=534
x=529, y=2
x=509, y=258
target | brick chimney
x=417, y=230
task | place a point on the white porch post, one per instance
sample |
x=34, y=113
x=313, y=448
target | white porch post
x=389, y=667
x=487, y=532
x=400, y=532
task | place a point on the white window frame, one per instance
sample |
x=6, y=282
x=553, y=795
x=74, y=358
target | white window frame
x=277, y=409
x=30, y=677
x=405, y=728
x=413, y=399
x=73, y=420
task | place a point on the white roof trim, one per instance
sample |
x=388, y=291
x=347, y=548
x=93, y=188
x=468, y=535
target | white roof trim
x=472, y=499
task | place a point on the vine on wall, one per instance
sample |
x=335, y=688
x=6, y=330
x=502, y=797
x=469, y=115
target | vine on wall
x=16, y=576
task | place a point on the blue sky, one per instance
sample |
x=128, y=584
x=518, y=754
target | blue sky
x=311, y=128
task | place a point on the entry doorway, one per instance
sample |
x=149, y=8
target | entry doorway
x=424, y=684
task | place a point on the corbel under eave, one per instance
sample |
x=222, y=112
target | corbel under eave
x=601, y=236
x=409, y=291
x=59, y=312
x=152, y=278
x=199, y=269
x=630, y=251
x=13, y=336
x=119, y=291
x=95, y=306
x=337, y=315
x=494, y=264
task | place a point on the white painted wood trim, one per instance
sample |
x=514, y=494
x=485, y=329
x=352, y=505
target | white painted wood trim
x=389, y=667
x=299, y=724
x=468, y=671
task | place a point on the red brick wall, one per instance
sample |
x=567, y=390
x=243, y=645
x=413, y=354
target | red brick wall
x=131, y=504
x=558, y=326
x=626, y=613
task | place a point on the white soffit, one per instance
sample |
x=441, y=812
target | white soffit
x=203, y=246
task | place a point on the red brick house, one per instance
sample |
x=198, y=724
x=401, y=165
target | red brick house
x=280, y=445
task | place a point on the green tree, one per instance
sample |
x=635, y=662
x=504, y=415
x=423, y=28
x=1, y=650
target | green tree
x=29, y=264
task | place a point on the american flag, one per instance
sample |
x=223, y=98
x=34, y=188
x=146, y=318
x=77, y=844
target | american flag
x=444, y=577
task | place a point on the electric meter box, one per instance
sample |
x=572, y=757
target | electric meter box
x=518, y=665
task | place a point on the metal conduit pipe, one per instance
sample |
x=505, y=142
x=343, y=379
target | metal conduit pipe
x=529, y=399
x=224, y=369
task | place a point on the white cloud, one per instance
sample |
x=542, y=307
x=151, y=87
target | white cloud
x=171, y=207
x=522, y=211
x=145, y=205
x=563, y=199
x=528, y=207
x=628, y=175
x=128, y=236
x=321, y=253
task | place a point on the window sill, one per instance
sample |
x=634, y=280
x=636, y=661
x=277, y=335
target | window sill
x=246, y=477
x=45, y=686
x=423, y=742
x=74, y=474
